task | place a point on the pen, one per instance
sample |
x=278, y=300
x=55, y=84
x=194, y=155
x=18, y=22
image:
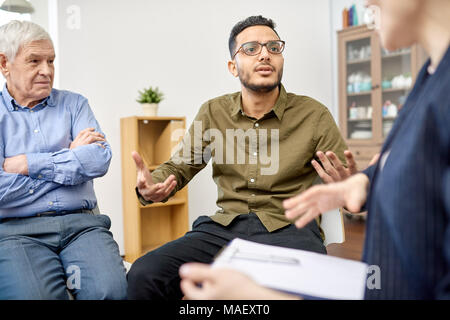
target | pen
x=269, y=258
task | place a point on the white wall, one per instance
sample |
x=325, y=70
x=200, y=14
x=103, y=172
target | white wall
x=5, y=17
x=180, y=46
x=40, y=15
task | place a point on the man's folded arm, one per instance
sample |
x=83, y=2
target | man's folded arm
x=72, y=167
x=18, y=190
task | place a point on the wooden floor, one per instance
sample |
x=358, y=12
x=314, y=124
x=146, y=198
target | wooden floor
x=354, y=240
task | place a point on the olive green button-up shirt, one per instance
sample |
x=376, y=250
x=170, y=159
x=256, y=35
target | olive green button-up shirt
x=257, y=163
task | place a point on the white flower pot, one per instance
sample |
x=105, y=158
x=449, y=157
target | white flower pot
x=150, y=109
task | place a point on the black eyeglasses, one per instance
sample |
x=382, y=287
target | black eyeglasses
x=253, y=48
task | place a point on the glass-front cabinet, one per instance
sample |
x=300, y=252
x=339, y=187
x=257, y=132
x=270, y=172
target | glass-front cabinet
x=396, y=83
x=359, y=88
x=373, y=86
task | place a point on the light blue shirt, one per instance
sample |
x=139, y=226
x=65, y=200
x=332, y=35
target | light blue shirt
x=59, y=178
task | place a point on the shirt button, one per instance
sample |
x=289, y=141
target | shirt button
x=252, y=180
x=50, y=203
x=31, y=111
x=36, y=131
x=253, y=195
x=31, y=191
x=255, y=154
x=256, y=125
x=39, y=176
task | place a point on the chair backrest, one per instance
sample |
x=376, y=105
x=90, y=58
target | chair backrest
x=332, y=224
x=127, y=265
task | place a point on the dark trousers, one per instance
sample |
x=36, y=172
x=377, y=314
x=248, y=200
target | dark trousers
x=155, y=275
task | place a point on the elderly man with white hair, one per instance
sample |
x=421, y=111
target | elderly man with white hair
x=51, y=148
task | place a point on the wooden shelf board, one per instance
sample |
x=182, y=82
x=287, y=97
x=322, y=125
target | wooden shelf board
x=396, y=54
x=363, y=93
x=151, y=247
x=357, y=120
x=358, y=61
x=173, y=202
x=142, y=118
x=358, y=28
x=396, y=89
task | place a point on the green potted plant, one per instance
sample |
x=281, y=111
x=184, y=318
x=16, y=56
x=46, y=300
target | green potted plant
x=150, y=99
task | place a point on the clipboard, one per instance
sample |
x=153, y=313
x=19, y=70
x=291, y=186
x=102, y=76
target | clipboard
x=307, y=274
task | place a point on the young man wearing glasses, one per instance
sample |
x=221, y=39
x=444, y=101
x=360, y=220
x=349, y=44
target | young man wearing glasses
x=251, y=189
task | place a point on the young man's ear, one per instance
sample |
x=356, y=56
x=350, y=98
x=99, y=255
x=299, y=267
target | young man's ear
x=233, y=68
x=4, y=64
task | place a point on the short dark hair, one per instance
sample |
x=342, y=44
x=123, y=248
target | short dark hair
x=244, y=24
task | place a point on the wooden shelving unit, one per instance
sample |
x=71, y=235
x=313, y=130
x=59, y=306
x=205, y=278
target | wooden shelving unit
x=148, y=227
x=360, y=52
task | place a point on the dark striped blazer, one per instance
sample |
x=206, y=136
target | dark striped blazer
x=408, y=226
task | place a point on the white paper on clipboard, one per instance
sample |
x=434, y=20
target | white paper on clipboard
x=296, y=271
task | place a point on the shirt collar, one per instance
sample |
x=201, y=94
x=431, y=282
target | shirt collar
x=11, y=104
x=278, y=109
x=8, y=100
